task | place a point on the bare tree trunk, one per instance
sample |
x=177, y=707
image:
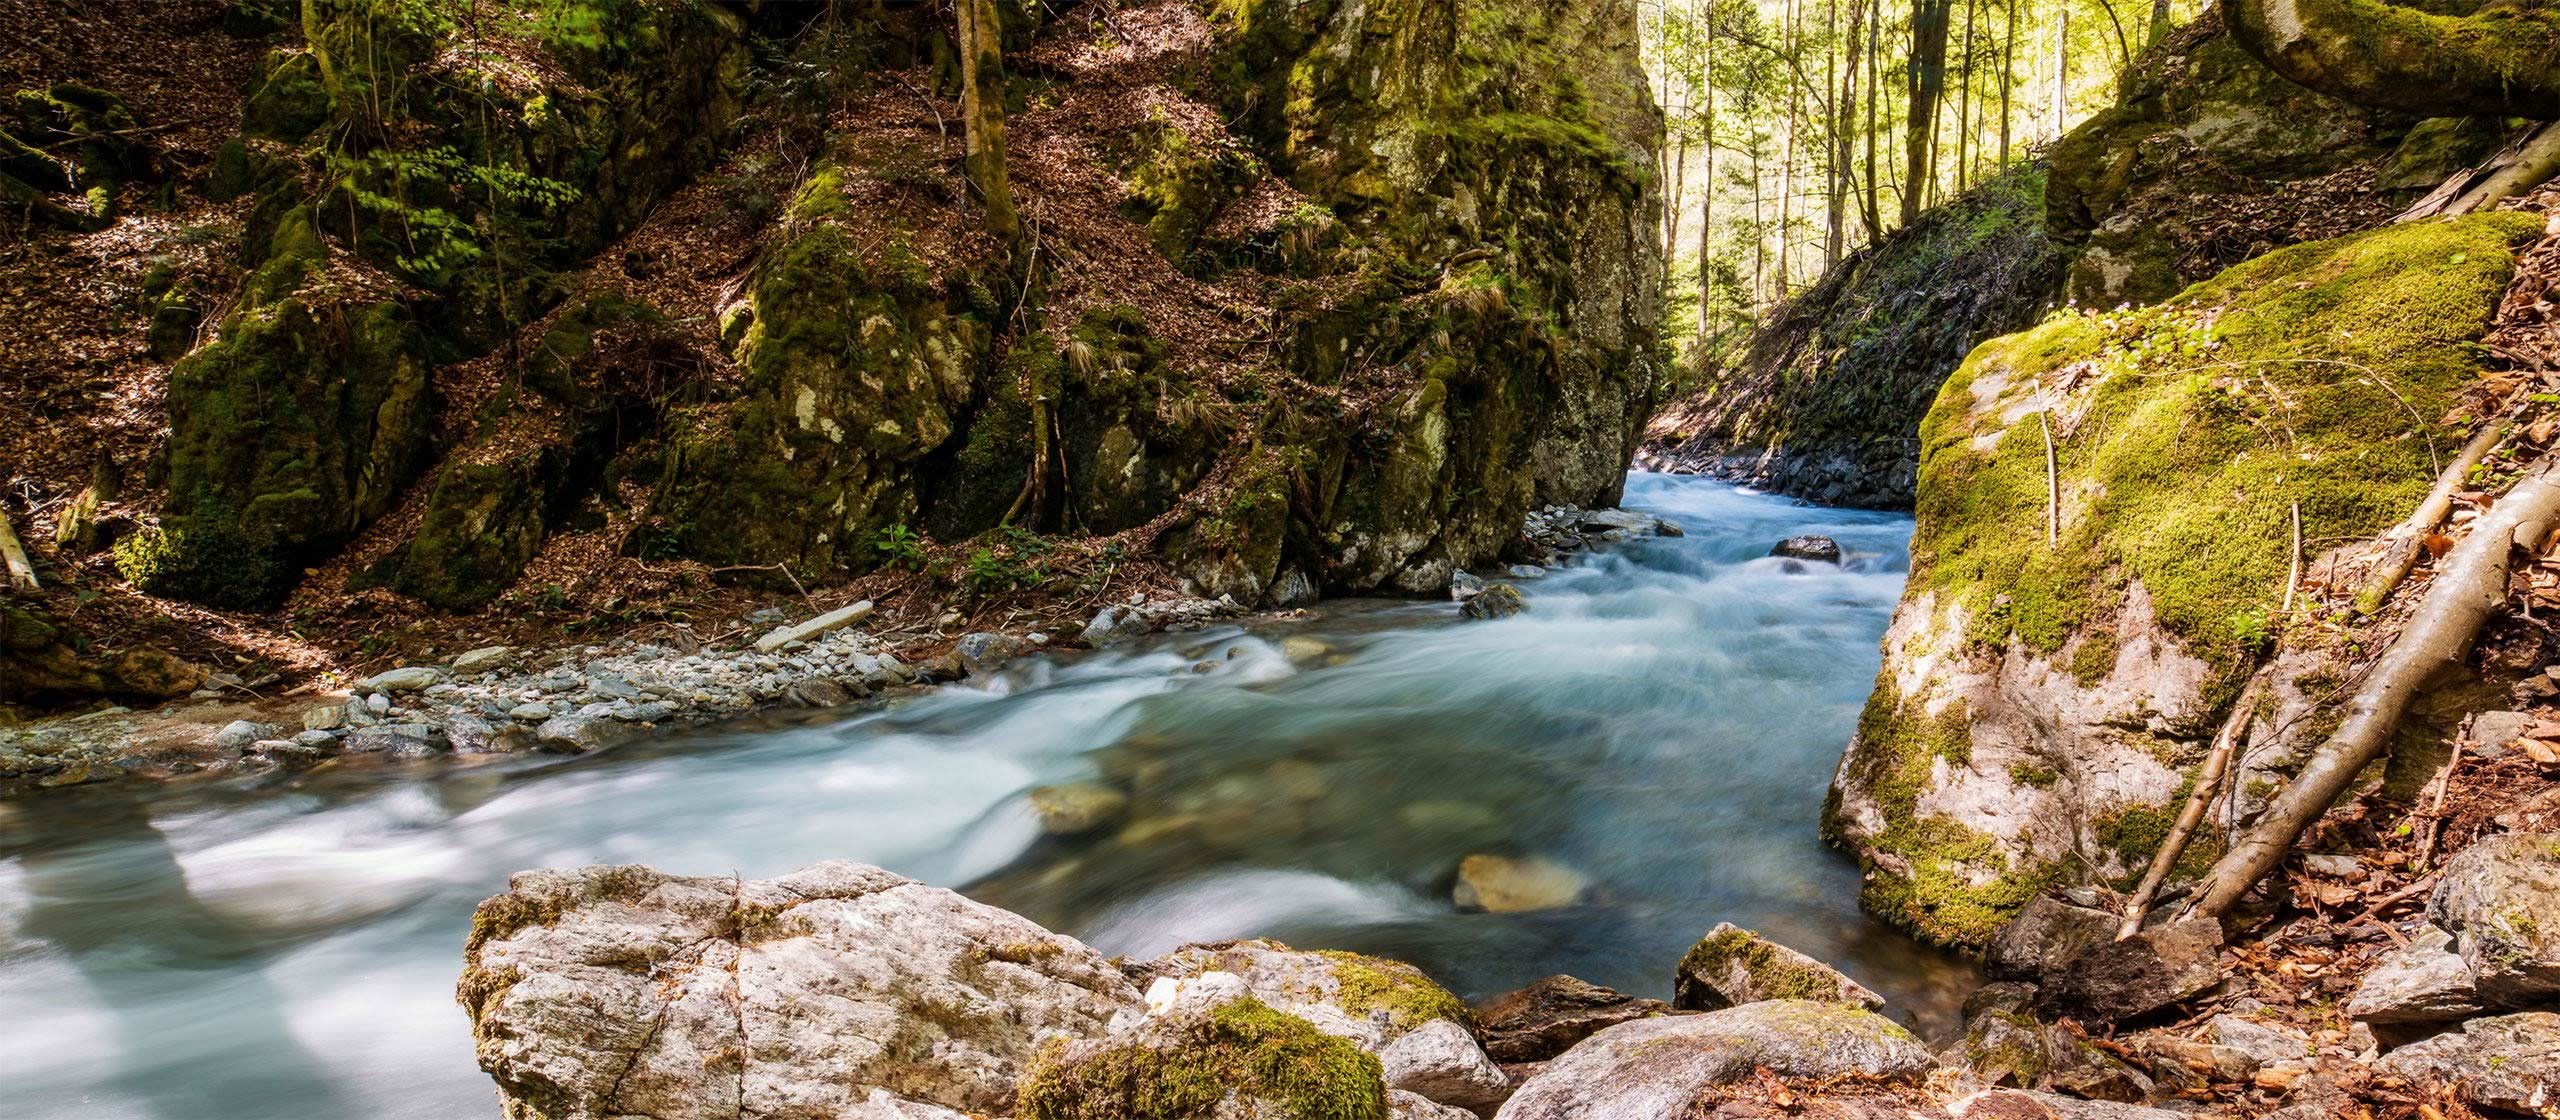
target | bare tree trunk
x=1787, y=156
x=1964, y=99
x=2469, y=587
x=982, y=92
x=2062, y=72
x=2008, y=77
x=22, y=573
x=1838, y=82
x=1927, y=83
x=1707, y=211
x=1875, y=94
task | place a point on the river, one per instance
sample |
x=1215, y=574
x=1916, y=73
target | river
x=1663, y=720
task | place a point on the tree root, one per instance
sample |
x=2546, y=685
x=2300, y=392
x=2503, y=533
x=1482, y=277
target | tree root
x=2469, y=587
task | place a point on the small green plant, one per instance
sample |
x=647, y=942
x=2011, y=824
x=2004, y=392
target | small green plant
x=1011, y=563
x=900, y=547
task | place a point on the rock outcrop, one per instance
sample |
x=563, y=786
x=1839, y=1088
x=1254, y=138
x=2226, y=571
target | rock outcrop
x=1732, y=966
x=1653, y=1069
x=2041, y=706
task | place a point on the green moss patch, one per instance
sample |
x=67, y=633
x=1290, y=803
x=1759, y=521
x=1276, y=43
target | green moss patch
x=1407, y=996
x=1244, y=1048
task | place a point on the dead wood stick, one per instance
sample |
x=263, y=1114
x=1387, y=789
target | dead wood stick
x=2395, y=898
x=2404, y=542
x=2217, y=763
x=2469, y=587
x=2052, y=485
x=2293, y=578
x=22, y=572
x=2534, y=159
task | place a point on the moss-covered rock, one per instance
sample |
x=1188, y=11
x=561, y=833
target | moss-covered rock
x=2210, y=158
x=1275, y=1064
x=45, y=661
x=1827, y=400
x=295, y=427
x=2042, y=706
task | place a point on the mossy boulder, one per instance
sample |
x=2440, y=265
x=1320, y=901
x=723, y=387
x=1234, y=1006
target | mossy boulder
x=1827, y=399
x=858, y=366
x=1238, y=1058
x=295, y=427
x=288, y=100
x=2042, y=706
x=2210, y=158
x=43, y=660
x=1731, y=966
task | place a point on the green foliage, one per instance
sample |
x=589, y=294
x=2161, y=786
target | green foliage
x=900, y=547
x=1011, y=563
x=201, y=561
x=425, y=194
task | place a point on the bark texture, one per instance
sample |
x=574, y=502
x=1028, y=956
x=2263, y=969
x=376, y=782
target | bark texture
x=2502, y=60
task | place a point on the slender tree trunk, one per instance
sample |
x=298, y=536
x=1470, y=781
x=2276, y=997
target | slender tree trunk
x=1787, y=153
x=982, y=91
x=2062, y=71
x=2008, y=77
x=1927, y=81
x=1964, y=99
x=1707, y=211
x=1844, y=135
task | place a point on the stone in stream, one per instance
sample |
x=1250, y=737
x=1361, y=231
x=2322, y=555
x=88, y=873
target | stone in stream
x=325, y=717
x=1655, y=1069
x=1731, y=966
x=1077, y=808
x=483, y=660
x=412, y=678
x=986, y=651
x=838, y=990
x=1820, y=550
x=240, y=733
x=2500, y=898
x=1212, y=1050
x=1503, y=885
x=1497, y=600
x=1546, y=1018
x=577, y=734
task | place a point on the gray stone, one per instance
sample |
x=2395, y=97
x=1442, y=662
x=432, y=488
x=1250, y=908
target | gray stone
x=1465, y=585
x=408, y=679
x=316, y=737
x=325, y=717
x=816, y=692
x=576, y=734
x=2265, y=1043
x=2046, y=934
x=1543, y=1020
x=654, y=711
x=620, y=991
x=2028, y=1104
x=985, y=652
x=2334, y=866
x=376, y=704
x=485, y=659
x=2500, y=898
x=531, y=711
x=1820, y=550
x=2153, y=969
x=400, y=740
x=1402, y=1105
x=2424, y=981
x=1732, y=966
x=239, y=733
x=610, y=687
x=827, y=623
x=2492, y=733
x=2509, y=1062
x=1654, y=1069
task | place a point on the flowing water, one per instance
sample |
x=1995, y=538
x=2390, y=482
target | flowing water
x=1663, y=720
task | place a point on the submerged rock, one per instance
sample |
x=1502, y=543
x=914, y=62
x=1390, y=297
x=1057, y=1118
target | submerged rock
x=1653, y=1069
x=839, y=990
x=1731, y=966
x=1546, y=1018
x=1077, y=808
x=1503, y=885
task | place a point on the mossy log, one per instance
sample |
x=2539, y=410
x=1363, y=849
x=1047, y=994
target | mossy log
x=2502, y=60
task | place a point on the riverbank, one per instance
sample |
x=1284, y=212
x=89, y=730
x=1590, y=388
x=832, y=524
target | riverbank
x=571, y=698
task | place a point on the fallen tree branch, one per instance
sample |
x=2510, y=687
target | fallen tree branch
x=2052, y=485
x=2401, y=552
x=2529, y=164
x=2469, y=587
x=22, y=573
x=2217, y=763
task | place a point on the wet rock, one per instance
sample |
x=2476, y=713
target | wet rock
x=2509, y=1062
x=2424, y=981
x=1820, y=550
x=531, y=711
x=1497, y=600
x=1465, y=585
x=985, y=652
x=413, y=678
x=325, y=717
x=576, y=734
x=621, y=991
x=377, y=704
x=317, y=737
x=239, y=733
x=1388, y=1008
x=816, y=692
x=399, y=740
x=1543, y=1020
x=1503, y=885
x=820, y=626
x=486, y=659
x=2045, y=935
x=1653, y=1069
x=653, y=711
x=1731, y=966
x=1077, y=808
x=1110, y=625
x=2500, y=898
x=2151, y=970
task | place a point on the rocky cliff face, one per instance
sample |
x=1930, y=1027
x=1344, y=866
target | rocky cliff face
x=740, y=308
x=2050, y=686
